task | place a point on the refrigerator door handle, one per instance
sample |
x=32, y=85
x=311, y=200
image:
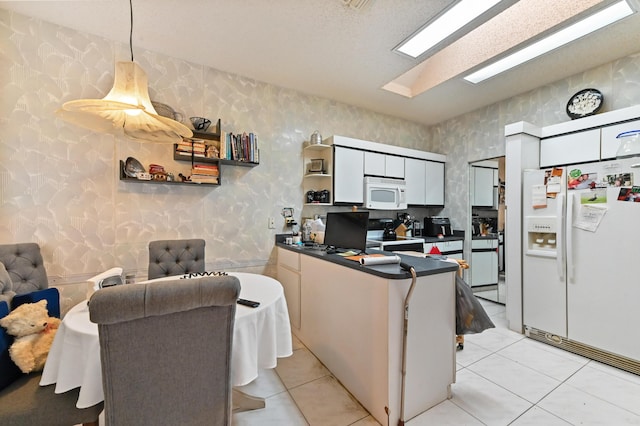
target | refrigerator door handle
x=569, y=237
x=560, y=239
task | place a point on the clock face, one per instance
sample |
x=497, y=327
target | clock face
x=585, y=102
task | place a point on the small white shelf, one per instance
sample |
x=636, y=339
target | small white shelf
x=318, y=204
x=317, y=147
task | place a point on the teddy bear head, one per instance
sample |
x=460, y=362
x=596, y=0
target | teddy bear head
x=26, y=319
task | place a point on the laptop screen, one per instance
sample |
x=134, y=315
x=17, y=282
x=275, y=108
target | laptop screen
x=347, y=230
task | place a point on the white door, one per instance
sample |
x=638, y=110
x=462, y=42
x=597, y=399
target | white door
x=544, y=291
x=602, y=267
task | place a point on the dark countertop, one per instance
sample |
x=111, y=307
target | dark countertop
x=422, y=266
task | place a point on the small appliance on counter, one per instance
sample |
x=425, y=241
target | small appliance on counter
x=382, y=235
x=435, y=226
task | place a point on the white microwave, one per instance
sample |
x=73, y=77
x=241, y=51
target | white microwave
x=385, y=193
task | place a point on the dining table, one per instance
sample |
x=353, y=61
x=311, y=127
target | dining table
x=261, y=335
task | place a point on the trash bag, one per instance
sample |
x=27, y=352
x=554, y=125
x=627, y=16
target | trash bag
x=471, y=317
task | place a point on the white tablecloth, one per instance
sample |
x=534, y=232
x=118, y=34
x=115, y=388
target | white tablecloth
x=261, y=335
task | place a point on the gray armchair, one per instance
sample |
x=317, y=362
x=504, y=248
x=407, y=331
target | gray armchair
x=166, y=350
x=175, y=257
x=22, y=400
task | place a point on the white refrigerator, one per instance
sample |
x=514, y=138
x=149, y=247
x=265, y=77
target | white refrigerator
x=581, y=256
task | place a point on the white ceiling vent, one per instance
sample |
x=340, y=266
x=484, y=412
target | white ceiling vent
x=356, y=4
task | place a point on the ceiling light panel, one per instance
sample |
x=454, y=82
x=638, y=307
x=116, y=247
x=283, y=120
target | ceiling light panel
x=571, y=33
x=448, y=23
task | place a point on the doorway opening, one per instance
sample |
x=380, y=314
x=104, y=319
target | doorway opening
x=486, y=228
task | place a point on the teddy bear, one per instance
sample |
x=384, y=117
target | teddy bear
x=34, y=331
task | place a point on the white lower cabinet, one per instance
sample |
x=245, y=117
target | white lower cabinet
x=289, y=277
x=484, y=262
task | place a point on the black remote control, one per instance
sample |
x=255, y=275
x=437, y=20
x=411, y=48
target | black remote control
x=249, y=303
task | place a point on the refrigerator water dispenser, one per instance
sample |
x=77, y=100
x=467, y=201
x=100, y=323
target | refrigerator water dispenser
x=542, y=236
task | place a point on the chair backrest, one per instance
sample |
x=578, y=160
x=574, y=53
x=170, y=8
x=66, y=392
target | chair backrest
x=23, y=262
x=175, y=257
x=166, y=350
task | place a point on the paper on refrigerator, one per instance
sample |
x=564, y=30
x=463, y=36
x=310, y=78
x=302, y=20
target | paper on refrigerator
x=589, y=217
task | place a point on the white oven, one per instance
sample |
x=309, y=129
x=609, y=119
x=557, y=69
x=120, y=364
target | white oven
x=385, y=193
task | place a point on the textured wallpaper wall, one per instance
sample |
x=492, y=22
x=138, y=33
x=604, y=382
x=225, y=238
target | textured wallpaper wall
x=59, y=184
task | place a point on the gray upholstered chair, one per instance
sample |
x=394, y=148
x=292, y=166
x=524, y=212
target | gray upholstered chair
x=175, y=257
x=166, y=350
x=22, y=400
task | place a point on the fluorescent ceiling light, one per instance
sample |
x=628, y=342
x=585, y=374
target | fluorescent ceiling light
x=446, y=24
x=588, y=25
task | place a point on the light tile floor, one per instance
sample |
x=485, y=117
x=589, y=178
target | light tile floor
x=503, y=378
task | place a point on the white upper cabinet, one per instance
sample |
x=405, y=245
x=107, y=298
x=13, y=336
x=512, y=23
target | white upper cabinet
x=384, y=165
x=609, y=142
x=482, y=187
x=374, y=164
x=435, y=183
x=580, y=147
x=416, y=178
x=353, y=159
x=425, y=182
x=394, y=166
x=348, y=175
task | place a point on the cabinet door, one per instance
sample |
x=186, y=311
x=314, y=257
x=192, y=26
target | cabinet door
x=609, y=143
x=434, y=183
x=290, y=281
x=348, y=175
x=394, y=166
x=416, y=178
x=483, y=187
x=289, y=277
x=374, y=164
x=574, y=148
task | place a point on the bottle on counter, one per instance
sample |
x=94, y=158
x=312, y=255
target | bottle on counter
x=306, y=230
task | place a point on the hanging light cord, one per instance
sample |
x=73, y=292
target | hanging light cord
x=131, y=30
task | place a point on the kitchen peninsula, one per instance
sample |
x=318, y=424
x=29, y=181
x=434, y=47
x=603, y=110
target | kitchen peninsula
x=351, y=317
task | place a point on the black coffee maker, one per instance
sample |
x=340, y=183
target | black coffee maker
x=435, y=226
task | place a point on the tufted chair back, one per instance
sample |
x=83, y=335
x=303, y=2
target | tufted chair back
x=25, y=266
x=175, y=257
x=165, y=349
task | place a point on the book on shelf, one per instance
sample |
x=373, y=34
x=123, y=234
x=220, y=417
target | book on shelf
x=223, y=145
x=204, y=179
x=208, y=170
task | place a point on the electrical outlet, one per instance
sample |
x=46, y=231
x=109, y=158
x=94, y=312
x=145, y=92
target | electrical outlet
x=272, y=223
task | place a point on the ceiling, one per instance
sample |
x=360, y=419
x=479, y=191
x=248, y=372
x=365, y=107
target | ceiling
x=323, y=47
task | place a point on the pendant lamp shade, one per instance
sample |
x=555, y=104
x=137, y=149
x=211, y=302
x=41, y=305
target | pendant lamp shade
x=126, y=109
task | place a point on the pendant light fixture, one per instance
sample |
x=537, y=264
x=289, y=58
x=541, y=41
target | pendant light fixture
x=126, y=109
